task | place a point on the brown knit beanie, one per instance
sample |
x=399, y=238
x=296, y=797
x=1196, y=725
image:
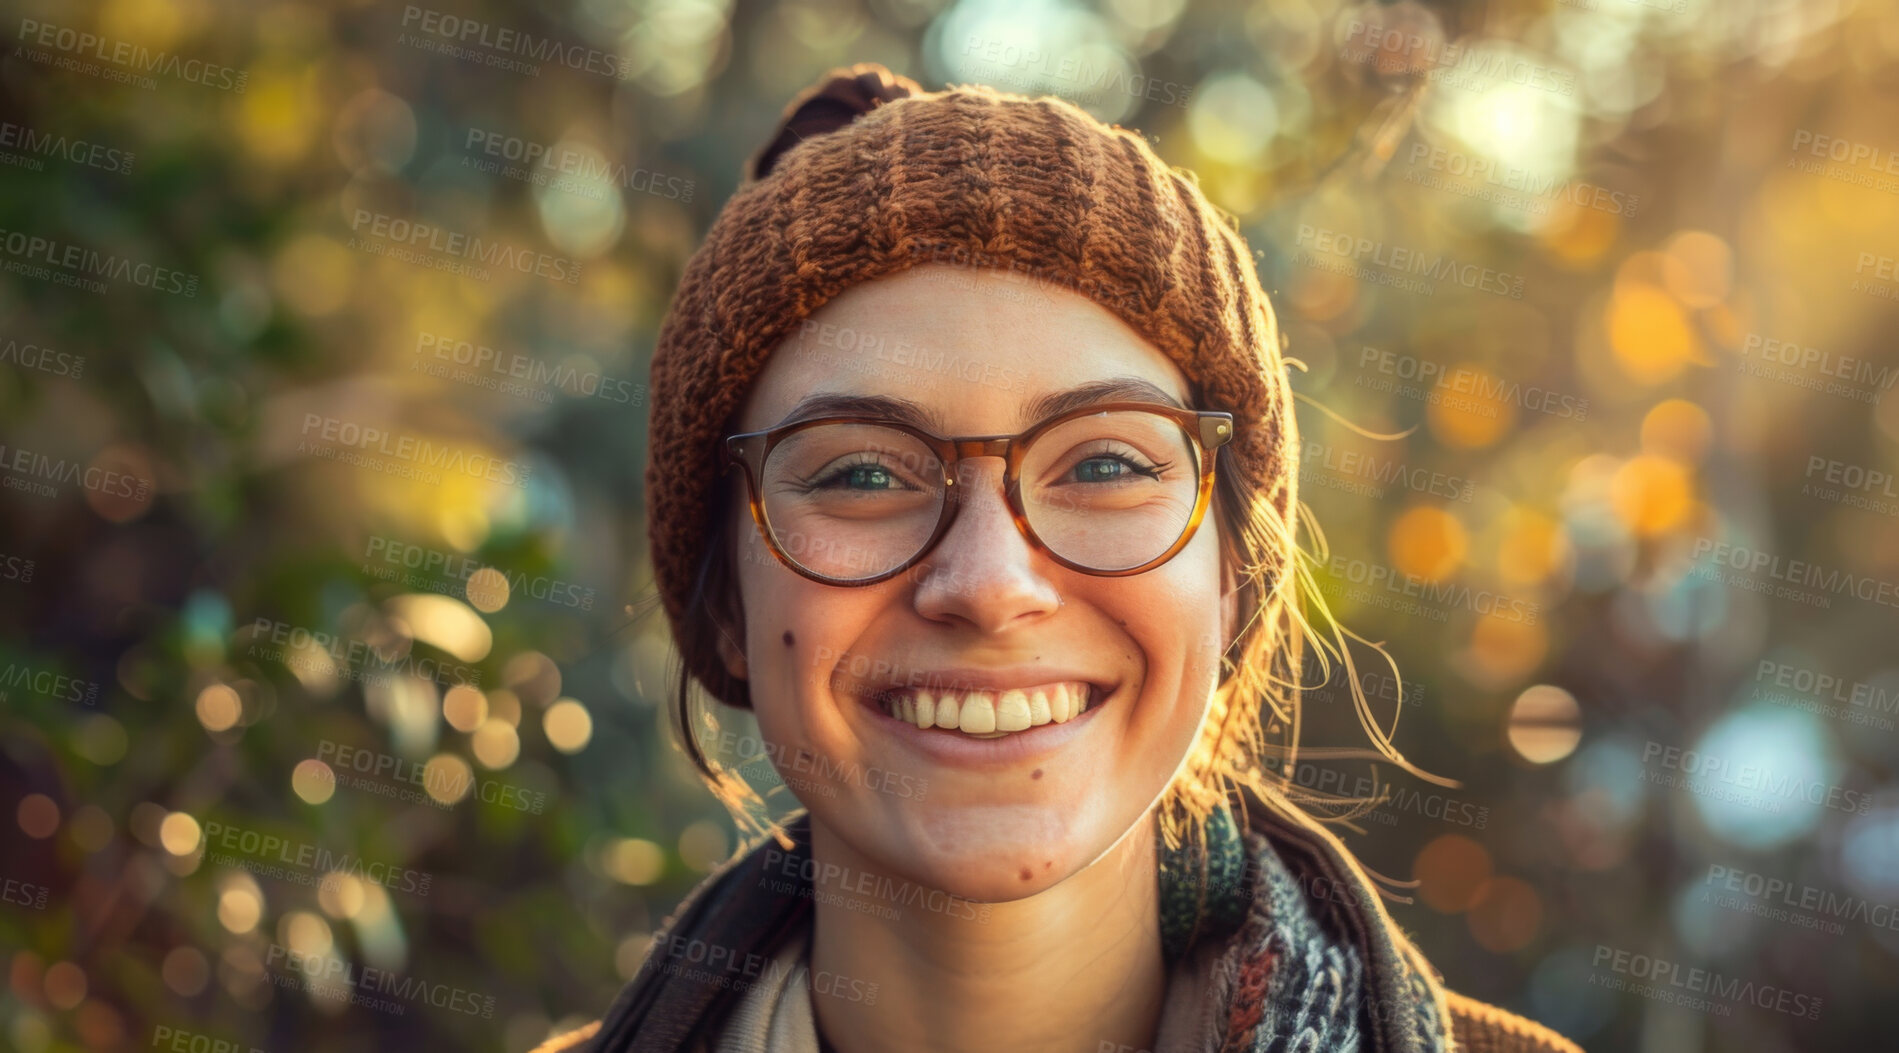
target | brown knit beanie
x=869, y=175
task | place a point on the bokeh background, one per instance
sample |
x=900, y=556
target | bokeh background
x=326, y=625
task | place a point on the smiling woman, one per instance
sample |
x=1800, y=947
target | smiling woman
x=1010, y=581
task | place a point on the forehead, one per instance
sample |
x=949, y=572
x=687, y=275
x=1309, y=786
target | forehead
x=981, y=351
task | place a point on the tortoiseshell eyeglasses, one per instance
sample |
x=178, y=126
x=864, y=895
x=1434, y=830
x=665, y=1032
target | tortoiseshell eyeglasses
x=1113, y=489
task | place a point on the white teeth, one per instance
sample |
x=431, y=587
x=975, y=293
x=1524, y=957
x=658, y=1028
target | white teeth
x=979, y=713
x=1039, y=711
x=1012, y=711
x=990, y=714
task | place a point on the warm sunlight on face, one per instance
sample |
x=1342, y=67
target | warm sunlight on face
x=990, y=819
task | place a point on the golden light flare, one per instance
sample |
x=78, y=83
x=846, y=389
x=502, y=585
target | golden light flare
x=240, y=909
x=487, y=590
x=1650, y=335
x=1471, y=415
x=448, y=778
x=305, y=933
x=633, y=861
x=1652, y=495
x=1532, y=547
x=444, y=622
x=180, y=834
x=219, y=707
x=1507, y=649
x=1577, y=236
x=341, y=894
x=1706, y=273
x=278, y=114
x=313, y=781
x=1677, y=429
x=1451, y=869
x=1427, y=543
x=1545, y=724
x=496, y=744
x=464, y=707
x=568, y=725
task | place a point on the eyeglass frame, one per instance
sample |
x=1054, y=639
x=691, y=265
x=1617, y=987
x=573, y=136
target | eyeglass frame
x=1207, y=431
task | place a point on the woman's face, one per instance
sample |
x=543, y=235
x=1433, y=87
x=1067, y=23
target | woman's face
x=985, y=819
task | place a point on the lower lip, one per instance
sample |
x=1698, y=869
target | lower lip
x=946, y=746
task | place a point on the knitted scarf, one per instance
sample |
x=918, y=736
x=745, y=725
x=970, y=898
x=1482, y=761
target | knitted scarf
x=1251, y=968
x=1289, y=951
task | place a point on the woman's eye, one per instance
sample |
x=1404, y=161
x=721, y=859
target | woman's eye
x=1107, y=469
x=860, y=477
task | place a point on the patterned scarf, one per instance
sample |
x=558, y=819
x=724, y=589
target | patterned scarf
x=1252, y=967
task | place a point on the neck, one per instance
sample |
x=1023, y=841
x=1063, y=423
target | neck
x=1075, y=968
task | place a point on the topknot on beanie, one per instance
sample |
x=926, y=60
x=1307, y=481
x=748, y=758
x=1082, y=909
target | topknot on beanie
x=869, y=175
x=837, y=99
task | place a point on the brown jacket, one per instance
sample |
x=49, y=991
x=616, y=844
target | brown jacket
x=659, y=1013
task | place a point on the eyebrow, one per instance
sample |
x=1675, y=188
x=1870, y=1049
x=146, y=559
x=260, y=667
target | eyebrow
x=1055, y=403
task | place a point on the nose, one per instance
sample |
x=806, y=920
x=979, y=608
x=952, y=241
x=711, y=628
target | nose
x=983, y=572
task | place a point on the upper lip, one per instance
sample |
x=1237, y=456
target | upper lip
x=996, y=680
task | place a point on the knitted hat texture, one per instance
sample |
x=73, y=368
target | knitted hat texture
x=869, y=175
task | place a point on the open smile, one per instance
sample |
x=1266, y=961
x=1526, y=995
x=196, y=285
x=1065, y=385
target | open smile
x=986, y=713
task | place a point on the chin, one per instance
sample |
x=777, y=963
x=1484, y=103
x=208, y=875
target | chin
x=992, y=854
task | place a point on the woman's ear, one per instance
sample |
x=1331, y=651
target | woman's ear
x=732, y=655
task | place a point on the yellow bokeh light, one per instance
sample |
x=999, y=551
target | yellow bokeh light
x=1473, y=413
x=341, y=894
x=305, y=933
x=487, y=590
x=239, y=910
x=1532, y=547
x=505, y=705
x=1545, y=724
x=464, y=707
x=1678, y=429
x=448, y=778
x=1651, y=494
x=1706, y=272
x=634, y=861
x=278, y=115
x=180, y=834
x=1506, y=649
x=568, y=725
x=313, y=781
x=1651, y=337
x=496, y=744
x=1427, y=543
x=219, y=707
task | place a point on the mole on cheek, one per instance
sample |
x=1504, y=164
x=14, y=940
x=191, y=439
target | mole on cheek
x=790, y=639
x=1036, y=774
x=1027, y=874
